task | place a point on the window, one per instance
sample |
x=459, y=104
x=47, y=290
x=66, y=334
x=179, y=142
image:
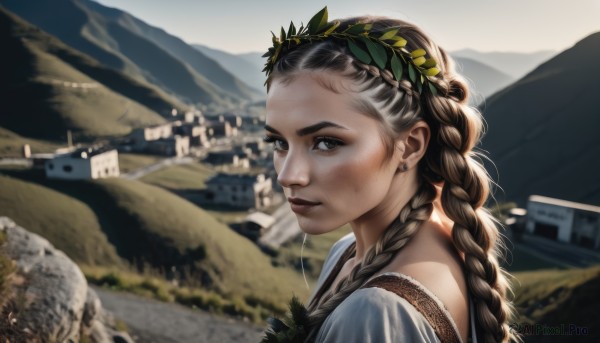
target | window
x=51, y=166
x=67, y=168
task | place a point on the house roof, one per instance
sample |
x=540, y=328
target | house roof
x=260, y=218
x=564, y=203
x=86, y=152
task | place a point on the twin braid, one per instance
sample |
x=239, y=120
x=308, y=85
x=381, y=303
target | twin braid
x=465, y=189
x=457, y=128
x=416, y=211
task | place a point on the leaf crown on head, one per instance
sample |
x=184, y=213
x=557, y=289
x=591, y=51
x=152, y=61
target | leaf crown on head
x=385, y=50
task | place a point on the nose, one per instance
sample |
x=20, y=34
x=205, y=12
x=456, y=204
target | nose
x=294, y=170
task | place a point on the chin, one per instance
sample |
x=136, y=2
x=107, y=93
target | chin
x=312, y=227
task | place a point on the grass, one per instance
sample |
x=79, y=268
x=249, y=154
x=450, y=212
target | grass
x=129, y=162
x=69, y=224
x=11, y=144
x=314, y=254
x=181, y=176
x=156, y=230
x=43, y=102
x=555, y=297
x=6, y=270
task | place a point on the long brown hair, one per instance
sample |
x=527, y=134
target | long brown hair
x=449, y=162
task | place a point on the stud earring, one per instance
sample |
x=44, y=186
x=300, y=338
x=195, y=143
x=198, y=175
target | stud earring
x=404, y=167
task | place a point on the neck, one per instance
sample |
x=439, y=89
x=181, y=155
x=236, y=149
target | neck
x=369, y=227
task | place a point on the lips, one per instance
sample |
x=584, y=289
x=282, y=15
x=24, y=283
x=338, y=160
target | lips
x=302, y=206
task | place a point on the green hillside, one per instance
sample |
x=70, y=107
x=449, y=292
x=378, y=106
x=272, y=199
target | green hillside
x=542, y=132
x=69, y=224
x=11, y=144
x=180, y=177
x=122, y=42
x=553, y=298
x=156, y=230
x=45, y=93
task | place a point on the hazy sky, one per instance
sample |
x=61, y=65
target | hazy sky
x=485, y=25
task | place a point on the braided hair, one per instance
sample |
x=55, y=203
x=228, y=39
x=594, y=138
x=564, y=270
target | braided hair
x=449, y=162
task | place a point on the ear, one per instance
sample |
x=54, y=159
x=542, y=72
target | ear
x=412, y=145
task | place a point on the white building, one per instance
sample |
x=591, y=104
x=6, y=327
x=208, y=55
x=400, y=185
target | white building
x=84, y=163
x=564, y=221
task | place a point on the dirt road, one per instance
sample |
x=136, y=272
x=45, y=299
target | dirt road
x=151, y=321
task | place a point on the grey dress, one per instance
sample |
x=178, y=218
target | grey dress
x=373, y=314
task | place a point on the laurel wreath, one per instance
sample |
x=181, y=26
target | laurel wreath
x=383, y=49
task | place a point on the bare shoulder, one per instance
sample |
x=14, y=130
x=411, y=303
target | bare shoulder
x=431, y=260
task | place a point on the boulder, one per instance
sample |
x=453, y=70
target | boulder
x=55, y=302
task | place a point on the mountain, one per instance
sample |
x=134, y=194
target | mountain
x=48, y=88
x=123, y=42
x=255, y=58
x=515, y=64
x=543, y=129
x=483, y=80
x=239, y=66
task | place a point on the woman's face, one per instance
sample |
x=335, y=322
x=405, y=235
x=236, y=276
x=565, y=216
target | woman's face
x=330, y=159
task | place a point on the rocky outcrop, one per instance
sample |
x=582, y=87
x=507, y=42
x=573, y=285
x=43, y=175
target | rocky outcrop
x=51, y=298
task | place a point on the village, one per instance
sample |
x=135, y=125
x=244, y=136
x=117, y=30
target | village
x=230, y=144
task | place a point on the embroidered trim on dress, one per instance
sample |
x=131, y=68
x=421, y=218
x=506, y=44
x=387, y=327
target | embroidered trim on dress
x=419, y=298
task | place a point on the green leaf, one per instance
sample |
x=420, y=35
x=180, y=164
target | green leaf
x=332, y=28
x=292, y=29
x=318, y=21
x=396, y=65
x=359, y=53
x=432, y=71
x=282, y=35
x=378, y=53
x=274, y=38
x=429, y=63
x=412, y=73
x=432, y=88
x=418, y=61
x=358, y=29
x=389, y=34
x=418, y=53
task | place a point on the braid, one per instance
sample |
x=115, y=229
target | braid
x=465, y=189
x=449, y=161
x=416, y=211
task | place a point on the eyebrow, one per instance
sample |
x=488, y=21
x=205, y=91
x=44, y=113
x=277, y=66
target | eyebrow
x=310, y=129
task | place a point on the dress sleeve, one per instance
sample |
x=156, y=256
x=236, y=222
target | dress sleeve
x=375, y=315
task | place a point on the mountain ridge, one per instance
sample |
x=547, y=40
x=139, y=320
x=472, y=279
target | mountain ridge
x=48, y=84
x=550, y=116
x=80, y=24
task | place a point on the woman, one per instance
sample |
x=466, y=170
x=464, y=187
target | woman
x=370, y=126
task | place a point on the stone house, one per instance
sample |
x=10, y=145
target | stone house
x=228, y=158
x=84, y=163
x=240, y=190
